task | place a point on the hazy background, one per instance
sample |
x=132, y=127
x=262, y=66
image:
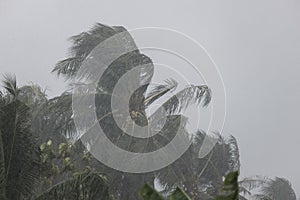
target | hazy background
x=256, y=45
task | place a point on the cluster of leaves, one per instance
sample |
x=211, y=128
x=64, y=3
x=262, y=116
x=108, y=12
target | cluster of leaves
x=24, y=166
x=55, y=162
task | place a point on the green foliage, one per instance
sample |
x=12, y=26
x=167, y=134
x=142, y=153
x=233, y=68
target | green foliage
x=59, y=162
x=124, y=185
x=62, y=169
x=230, y=189
x=87, y=185
x=47, y=151
x=19, y=155
x=148, y=193
x=24, y=167
x=201, y=177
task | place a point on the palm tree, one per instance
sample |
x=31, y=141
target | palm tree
x=20, y=157
x=83, y=44
x=201, y=178
x=19, y=154
x=267, y=188
x=276, y=189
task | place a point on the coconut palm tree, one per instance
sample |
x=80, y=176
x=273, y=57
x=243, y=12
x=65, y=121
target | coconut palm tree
x=123, y=184
x=276, y=189
x=20, y=156
x=201, y=178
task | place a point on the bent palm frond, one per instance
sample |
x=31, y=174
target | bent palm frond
x=83, y=44
x=188, y=96
x=159, y=91
x=86, y=186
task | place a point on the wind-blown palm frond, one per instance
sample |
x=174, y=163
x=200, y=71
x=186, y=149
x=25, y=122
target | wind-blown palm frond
x=269, y=189
x=21, y=158
x=68, y=66
x=159, y=91
x=234, y=159
x=61, y=108
x=278, y=189
x=84, y=186
x=83, y=44
x=200, y=175
x=32, y=95
x=250, y=183
x=188, y=96
x=10, y=84
x=262, y=197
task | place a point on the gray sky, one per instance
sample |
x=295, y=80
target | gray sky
x=256, y=45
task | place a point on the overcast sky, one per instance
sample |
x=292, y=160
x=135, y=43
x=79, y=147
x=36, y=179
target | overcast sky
x=256, y=45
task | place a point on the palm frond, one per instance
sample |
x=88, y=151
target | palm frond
x=83, y=44
x=87, y=185
x=10, y=84
x=60, y=109
x=234, y=159
x=261, y=197
x=253, y=182
x=278, y=188
x=68, y=66
x=159, y=91
x=32, y=95
x=188, y=96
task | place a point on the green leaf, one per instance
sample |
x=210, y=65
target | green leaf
x=148, y=193
x=230, y=189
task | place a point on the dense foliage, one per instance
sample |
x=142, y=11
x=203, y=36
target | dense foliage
x=41, y=156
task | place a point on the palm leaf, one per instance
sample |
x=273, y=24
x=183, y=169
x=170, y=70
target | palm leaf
x=87, y=185
x=10, y=84
x=83, y=44
x=262, y=197
x=188, y=96
x=234, y=158
x=159, y=91
x=60, y=108
x=251, y=183
x=278, y=188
